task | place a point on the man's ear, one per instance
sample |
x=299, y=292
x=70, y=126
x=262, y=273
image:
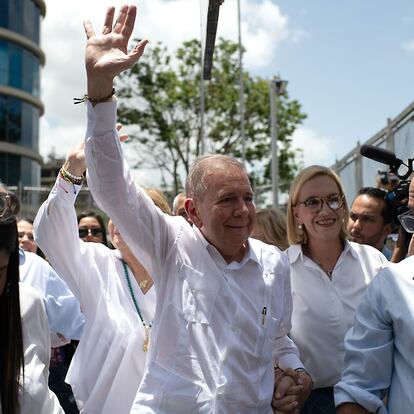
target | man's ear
x=387, y=229
x=192, y=211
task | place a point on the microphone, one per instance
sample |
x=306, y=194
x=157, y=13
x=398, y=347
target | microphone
x=381, y=155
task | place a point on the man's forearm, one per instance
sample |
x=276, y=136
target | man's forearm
x=351, y=408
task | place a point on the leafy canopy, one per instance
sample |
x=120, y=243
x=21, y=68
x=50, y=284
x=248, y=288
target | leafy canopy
x=161, y=97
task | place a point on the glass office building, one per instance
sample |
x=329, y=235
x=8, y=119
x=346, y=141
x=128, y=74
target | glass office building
x=20, y=105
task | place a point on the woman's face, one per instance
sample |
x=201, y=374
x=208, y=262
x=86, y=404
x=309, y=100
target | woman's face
x=4, y=262
x=26, y=239
x=322, y=224
x=90, y=230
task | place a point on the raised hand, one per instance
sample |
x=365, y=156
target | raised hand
x=107, y=54
x=75, y=162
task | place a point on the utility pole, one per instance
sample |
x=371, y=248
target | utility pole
x=277, y=87
x=241, y=87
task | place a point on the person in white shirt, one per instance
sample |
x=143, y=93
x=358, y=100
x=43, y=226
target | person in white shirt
x=223, y=300
x=379, y=347
x=115, y=293
x=62, y=308
x=329, y=275
x=25, y=343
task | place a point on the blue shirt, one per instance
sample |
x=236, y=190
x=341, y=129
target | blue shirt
x=379, y=348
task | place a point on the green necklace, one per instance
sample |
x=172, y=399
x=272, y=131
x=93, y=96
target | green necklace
x=147, y=327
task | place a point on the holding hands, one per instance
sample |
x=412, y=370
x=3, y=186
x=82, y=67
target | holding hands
x=292, y=388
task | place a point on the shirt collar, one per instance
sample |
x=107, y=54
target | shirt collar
x=295, y=251
x=349, y=249
x=252, y=252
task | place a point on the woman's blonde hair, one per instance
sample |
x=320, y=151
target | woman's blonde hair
x=272, y=223
x=299, y=236
x=159, y=199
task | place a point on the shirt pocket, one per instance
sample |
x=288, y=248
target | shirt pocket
x=198, y=295
x=266, y=337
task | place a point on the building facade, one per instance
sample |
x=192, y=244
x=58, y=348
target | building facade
x=20, y=107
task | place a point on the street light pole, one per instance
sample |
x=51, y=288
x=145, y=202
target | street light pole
x=241, y=87
x=277, y=87
x=273, y=134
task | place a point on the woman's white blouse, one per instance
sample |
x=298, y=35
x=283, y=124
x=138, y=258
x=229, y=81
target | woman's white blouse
x=109, y=362
x=35, y=396
x=324, y=308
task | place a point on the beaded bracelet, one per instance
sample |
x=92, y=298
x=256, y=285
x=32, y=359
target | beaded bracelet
x=73, y=179
x=93, y=101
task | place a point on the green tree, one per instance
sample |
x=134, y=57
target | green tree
x=161, y=97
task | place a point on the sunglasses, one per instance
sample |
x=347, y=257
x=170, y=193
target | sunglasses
x=4, y=203
x=84, y=232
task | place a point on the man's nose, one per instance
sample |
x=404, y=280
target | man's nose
x=241, y=207
x=356, y=223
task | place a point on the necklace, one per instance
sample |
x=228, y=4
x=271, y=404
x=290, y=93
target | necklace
x=147, y=327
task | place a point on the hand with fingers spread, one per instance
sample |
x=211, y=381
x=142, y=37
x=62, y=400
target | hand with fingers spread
x=107, y=54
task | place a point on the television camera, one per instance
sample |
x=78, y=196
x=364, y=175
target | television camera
x=398, y=196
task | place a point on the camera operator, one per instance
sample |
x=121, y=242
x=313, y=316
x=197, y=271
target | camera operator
x=378, y=349
x=403, y=246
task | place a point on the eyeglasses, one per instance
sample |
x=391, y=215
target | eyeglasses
x=84, y=232
x=4, y=203
x=315, y=204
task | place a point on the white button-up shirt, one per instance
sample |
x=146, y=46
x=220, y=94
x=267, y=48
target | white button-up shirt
x=109, y=362
x=379, y=348
x=324, y=308
x=213, y=349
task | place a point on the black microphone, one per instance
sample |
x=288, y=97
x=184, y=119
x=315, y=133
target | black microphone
x=381, y=155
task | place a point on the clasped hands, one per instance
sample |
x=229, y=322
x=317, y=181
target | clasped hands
x=292, y=388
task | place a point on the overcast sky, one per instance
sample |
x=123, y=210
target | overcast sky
x=350, y=63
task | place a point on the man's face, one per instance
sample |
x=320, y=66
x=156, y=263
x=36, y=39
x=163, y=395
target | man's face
x=225, y=213
x=366, y=224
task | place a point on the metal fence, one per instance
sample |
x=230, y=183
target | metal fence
x=397, y=136
x=32, y=197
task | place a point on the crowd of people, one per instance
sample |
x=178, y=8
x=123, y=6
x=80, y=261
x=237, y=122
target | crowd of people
x=211, y=306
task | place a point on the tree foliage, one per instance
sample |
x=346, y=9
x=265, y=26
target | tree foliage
x=161, y=97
